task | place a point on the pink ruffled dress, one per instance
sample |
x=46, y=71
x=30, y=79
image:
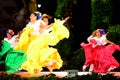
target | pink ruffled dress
x=99, y=55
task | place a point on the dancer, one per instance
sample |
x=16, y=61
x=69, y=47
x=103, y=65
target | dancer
x=30, y=32
x=64, y=20
x=98, y=55
x=40, y=55
x=37, y=47
x=11, y=37
x=48, y=27
x=12, y=59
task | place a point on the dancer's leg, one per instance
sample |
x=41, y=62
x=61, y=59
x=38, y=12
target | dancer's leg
x=91, y=67
x=84, y=67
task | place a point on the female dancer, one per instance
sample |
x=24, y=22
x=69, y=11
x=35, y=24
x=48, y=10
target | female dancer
x=38, y=50
x=48, y=27
x=12, y=59
x=11, y=37
x=98, y=55
x=30, y=32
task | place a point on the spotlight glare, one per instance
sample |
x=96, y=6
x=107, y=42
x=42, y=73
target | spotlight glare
x=39, y=5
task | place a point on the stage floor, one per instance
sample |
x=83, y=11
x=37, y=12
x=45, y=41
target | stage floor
x=61, y=74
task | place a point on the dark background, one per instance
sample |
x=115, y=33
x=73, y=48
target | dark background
x=81, y=15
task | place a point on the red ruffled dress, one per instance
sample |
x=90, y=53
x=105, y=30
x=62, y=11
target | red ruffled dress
x=99, y=55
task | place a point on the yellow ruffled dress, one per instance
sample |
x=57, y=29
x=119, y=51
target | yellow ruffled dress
x=39, y=54
x=25, y=39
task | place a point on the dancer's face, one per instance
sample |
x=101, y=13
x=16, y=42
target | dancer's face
x=46, y=21
x=98, y=33
x=10, y=33
x=33, y=18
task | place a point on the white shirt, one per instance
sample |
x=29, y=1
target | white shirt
x=36, y=26
x=100, y=41
x=13, y=41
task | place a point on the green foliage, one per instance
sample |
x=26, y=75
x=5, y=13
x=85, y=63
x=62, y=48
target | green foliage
x=61, y=5
x=75, y=61
x=74, y=1
x=93, y=76
x=114, y=28
x=101, y=12
x=114, y=33
x=64, y=47
x=5, y=76
x=114, y=36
